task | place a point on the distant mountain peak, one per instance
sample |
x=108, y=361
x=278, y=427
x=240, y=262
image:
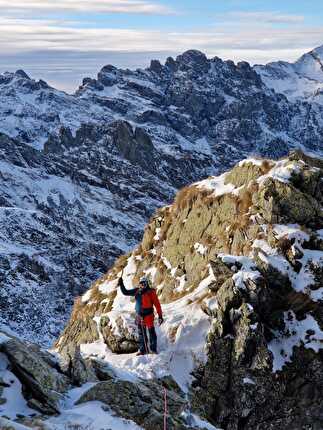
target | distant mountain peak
x=301, y=80
x=192, y=56
x=22, y=74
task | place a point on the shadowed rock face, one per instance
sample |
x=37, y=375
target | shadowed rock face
x=258, y=230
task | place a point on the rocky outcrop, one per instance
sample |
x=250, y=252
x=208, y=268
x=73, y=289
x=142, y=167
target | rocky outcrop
x=142, y=402
x=244, y=248
x=43, y=383
x=46, y=380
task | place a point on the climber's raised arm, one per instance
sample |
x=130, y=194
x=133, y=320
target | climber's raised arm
x=124, y=291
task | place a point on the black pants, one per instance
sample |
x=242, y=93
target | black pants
x=143, y=339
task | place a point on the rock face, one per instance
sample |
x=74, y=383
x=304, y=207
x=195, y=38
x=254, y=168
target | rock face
x=43, y=384
x=143, y=402
x=243, y=253
x=81, y=174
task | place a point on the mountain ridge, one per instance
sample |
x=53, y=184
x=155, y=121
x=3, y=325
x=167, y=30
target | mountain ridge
x=80, y=175
x=301, y=80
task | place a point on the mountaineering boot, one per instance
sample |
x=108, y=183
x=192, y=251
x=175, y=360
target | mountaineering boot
x=140, y=353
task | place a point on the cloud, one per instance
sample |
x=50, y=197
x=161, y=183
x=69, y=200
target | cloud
x=66, y=47
x=25, y=35
x=264, y=17
x=107, y=6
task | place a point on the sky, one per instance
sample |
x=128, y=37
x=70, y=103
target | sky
x=63, y=41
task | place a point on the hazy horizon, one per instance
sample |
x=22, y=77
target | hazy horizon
x=65, y=41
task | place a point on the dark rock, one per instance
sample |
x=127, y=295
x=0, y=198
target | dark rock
x=155, y=66
x=142, y=402
x=22, y=74
x=42, y=384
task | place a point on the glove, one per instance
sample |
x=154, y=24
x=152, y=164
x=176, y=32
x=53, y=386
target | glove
x=120, y=281
x=160, y=320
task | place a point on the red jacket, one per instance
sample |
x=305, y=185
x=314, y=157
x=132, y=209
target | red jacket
x=146, y=300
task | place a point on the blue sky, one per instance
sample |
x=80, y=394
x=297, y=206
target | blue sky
x=64, y=40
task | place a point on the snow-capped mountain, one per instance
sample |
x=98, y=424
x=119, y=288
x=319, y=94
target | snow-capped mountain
x=211, y=107
x=302, y=80
x=81, y=174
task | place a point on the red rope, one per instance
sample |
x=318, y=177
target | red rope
x=165, y=409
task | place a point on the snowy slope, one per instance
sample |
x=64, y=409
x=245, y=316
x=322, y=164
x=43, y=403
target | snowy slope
x=302, y=80
x=32, y=110
x=185, y=324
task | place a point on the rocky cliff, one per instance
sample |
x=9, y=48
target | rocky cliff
x=237, y=263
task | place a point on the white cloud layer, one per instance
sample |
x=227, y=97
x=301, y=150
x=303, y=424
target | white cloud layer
x=265, y=17
x=108, y=6
x=252, y=43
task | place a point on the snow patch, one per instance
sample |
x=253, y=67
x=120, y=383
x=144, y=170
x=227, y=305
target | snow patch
x=296, y=333
x=254, y=161
x=157, y=234
x=217, y=185
x=282, y=171
x=90, y=415
x=201, y=249
x=248, y=381
x=15, y=403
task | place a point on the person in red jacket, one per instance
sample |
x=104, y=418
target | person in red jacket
x=146, y=300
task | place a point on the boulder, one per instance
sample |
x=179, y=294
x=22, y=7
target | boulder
x=43, y=385
x=78, y=370
x=119, y=338
x=6, y=424
x=142, y=402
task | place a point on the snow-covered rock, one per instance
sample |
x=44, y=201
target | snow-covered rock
x=240, y=283
x=36, y=391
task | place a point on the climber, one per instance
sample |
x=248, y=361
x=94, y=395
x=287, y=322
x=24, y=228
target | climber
x=146, y=299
